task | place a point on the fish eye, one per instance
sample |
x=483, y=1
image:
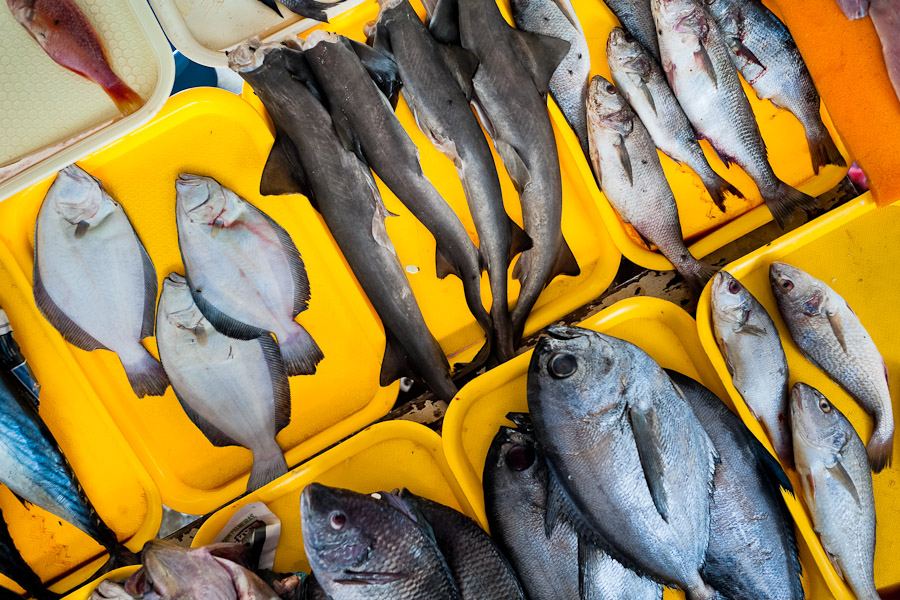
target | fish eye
x=628, y=37
x=787, y=284
x=824, y=406
x=520, y=457
x=337, y=520
x=562, y=365
x=734, y=287
x=610, y=88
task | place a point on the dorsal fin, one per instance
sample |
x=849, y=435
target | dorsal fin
x=540, y=55
x=381, y=68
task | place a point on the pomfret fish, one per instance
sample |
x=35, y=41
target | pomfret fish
x=629, y=460
x=629, y=172
x=751, y=347
x=837, y=487
x=830, y=335
x=604, y=578
x=93, y=279
x=12, y=565
x=636, y=17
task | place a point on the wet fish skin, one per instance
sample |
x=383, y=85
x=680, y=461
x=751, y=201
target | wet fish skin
x=636, y=17
x=751, y=346
x=310, y=9
x=12, y=565
x=837, y=487
x=629, y=172
x=93, y=279
x=628, y=457
x=235, y=391
x=854, y=9
x=640, y=80
x=831, y=336
x=604, y=578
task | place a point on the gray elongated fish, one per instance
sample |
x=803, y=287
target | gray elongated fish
x=235, y=391
x=830, y=335
x=697, y=62
x=12, y=565
x=311, y=9
x=837, y=487
x=752, y=549
x=751, y=347
x=442, y=113
x=516, y=500
x=364, y=116
x=636, y=17
x=765, y=53
x=244, y=271
x=510, y=88
x=93, y=279
x=640, y=80
x=308, y=158
x=478, y=566
x=604, y=578
x=363, y=547
x=630, y=462
x=569, y=83
x=630, y=174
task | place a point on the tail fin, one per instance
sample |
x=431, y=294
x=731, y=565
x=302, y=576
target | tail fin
x=786, y=200
x=504, y=343
x=880, y=448
x=266, y=467
x=717, y=188
x=147, y=377
x=824, y=151
x=301, y=353
x=127, y=100
x=696, y=274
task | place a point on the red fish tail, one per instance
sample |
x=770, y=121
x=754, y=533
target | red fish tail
x=127, y=100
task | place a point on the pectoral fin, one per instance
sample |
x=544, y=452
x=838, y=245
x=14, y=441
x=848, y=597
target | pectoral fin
x=838, y=329
x=622, y=152
x=368, y=578
x=646, y=429
x=738, y=47
x=283, y=173
x=841, y=475
x=703, y=59
x=745, y=327
x=648, y=95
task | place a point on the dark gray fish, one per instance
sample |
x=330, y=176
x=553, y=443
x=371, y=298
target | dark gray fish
x=360, y=547
x=310, y=9
x=12, y=565
x=604, y=578
x=752, y=548
x=636, y=17
x=308, y=158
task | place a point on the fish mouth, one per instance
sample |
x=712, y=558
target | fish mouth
x=617, y=36
x=250, y=55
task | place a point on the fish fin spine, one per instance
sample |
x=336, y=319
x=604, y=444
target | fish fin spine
x=266, y=468
x=823, y=151
x=785, y=201
x=147, y=376
x=300, y=351
x=280, y=385
x=71, y=332
x=151, y=287
x=539, y=54
x=881, y=446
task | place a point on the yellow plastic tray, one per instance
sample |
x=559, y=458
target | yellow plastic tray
x=212, y=132
x=84, y=592
x=442, y=302
x=854, y=250
x=119, y=487
x=661, y=328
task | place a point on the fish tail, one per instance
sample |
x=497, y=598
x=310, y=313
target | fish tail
x=266, y=468
x=504, y=342
x=824, y=151
x=126, y=99
x=881, y=446
x=784, y=200
x=696, y=273
x=147, y=377
x=300, y=352
x=718, y=187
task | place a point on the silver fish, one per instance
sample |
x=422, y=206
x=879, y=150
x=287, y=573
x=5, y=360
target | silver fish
x=697, y=62
x=830, y=335
x=604, y=578
x=243, y=269
x=93, y=279
x=235, y=391
x=630, y=174
x=636, y=17
x=640, y=80
x=751, y=346
x=837, y=487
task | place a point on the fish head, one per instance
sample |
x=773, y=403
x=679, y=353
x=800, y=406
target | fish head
x=179, y=308
x=80, y=198
x=686, y=17
x=796, y=291
x=816, y=422
x=206, y=202
x=250, y=55
x=171, y=572
x=731, y=301
x=513, y=455
x=626, y=54
x=607, y=108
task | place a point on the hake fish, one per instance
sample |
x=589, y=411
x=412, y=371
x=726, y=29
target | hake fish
x=751, y=347
x=628, y=459
x=764, y=51
x=697, y=62
x=837, y=487
x=12, y=565
x=640, y=80
x=235, y=391
x=830, y=335
x=244, y=271
x=636, y=17
x=93, y=279
x=629, y=172
x=604, y=578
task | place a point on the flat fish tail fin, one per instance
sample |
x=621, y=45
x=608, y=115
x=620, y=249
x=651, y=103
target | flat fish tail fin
x=126, y=99
x=880, y=447
x=267, y=467
x=565, y=263
x=823, y=151
x=718, y=187
x=301, y=353
x=147, y=376
x=785, y=200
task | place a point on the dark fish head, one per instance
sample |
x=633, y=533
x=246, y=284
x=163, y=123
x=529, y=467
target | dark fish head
x=795, y=290
x=177, y=304
x=731, y=301
x=816, y=422
x=205, y=201
x=171, y=572
x=250, y=55
x=626, y=53
x=80, y=198
x=513, y=458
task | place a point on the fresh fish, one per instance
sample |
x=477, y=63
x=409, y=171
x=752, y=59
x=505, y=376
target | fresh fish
x=93, y=279
x=603, y=578
x=569, y=83
x=479, y=567
x=308, y=158
x=630, y=463
x=67, y=36
x=636, y=17
x=310, y=9
x=752, y=549
x=243, y=268
x=837, y=487
x=751, y=347
x=764, y=51
x=442, y=113
x=830, y=335
x=12, y=565
x=235, y=391
x=640, y=80
x=360, y=546
x=364, y=116
x=854, y=9
x=630, y=174
x=697, y=63
x=510, y=88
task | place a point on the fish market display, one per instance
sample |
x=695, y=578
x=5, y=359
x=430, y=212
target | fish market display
x=640, y=80
x=244, y=271
x=569, y=83
x=752, y=350
x=764, y=51
x=837, y=487
x=308, y=158
x=235, y=391
x=604, y=578
x=752, y=549
x=93, y=279
x=12, y=565
x=311, y=9
x=830, y=335
x=442, y=113
x=66, y=35
x=698, y=65
x=510, y=87
x=630, y=174
x=628, y=458
x=636, y=17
